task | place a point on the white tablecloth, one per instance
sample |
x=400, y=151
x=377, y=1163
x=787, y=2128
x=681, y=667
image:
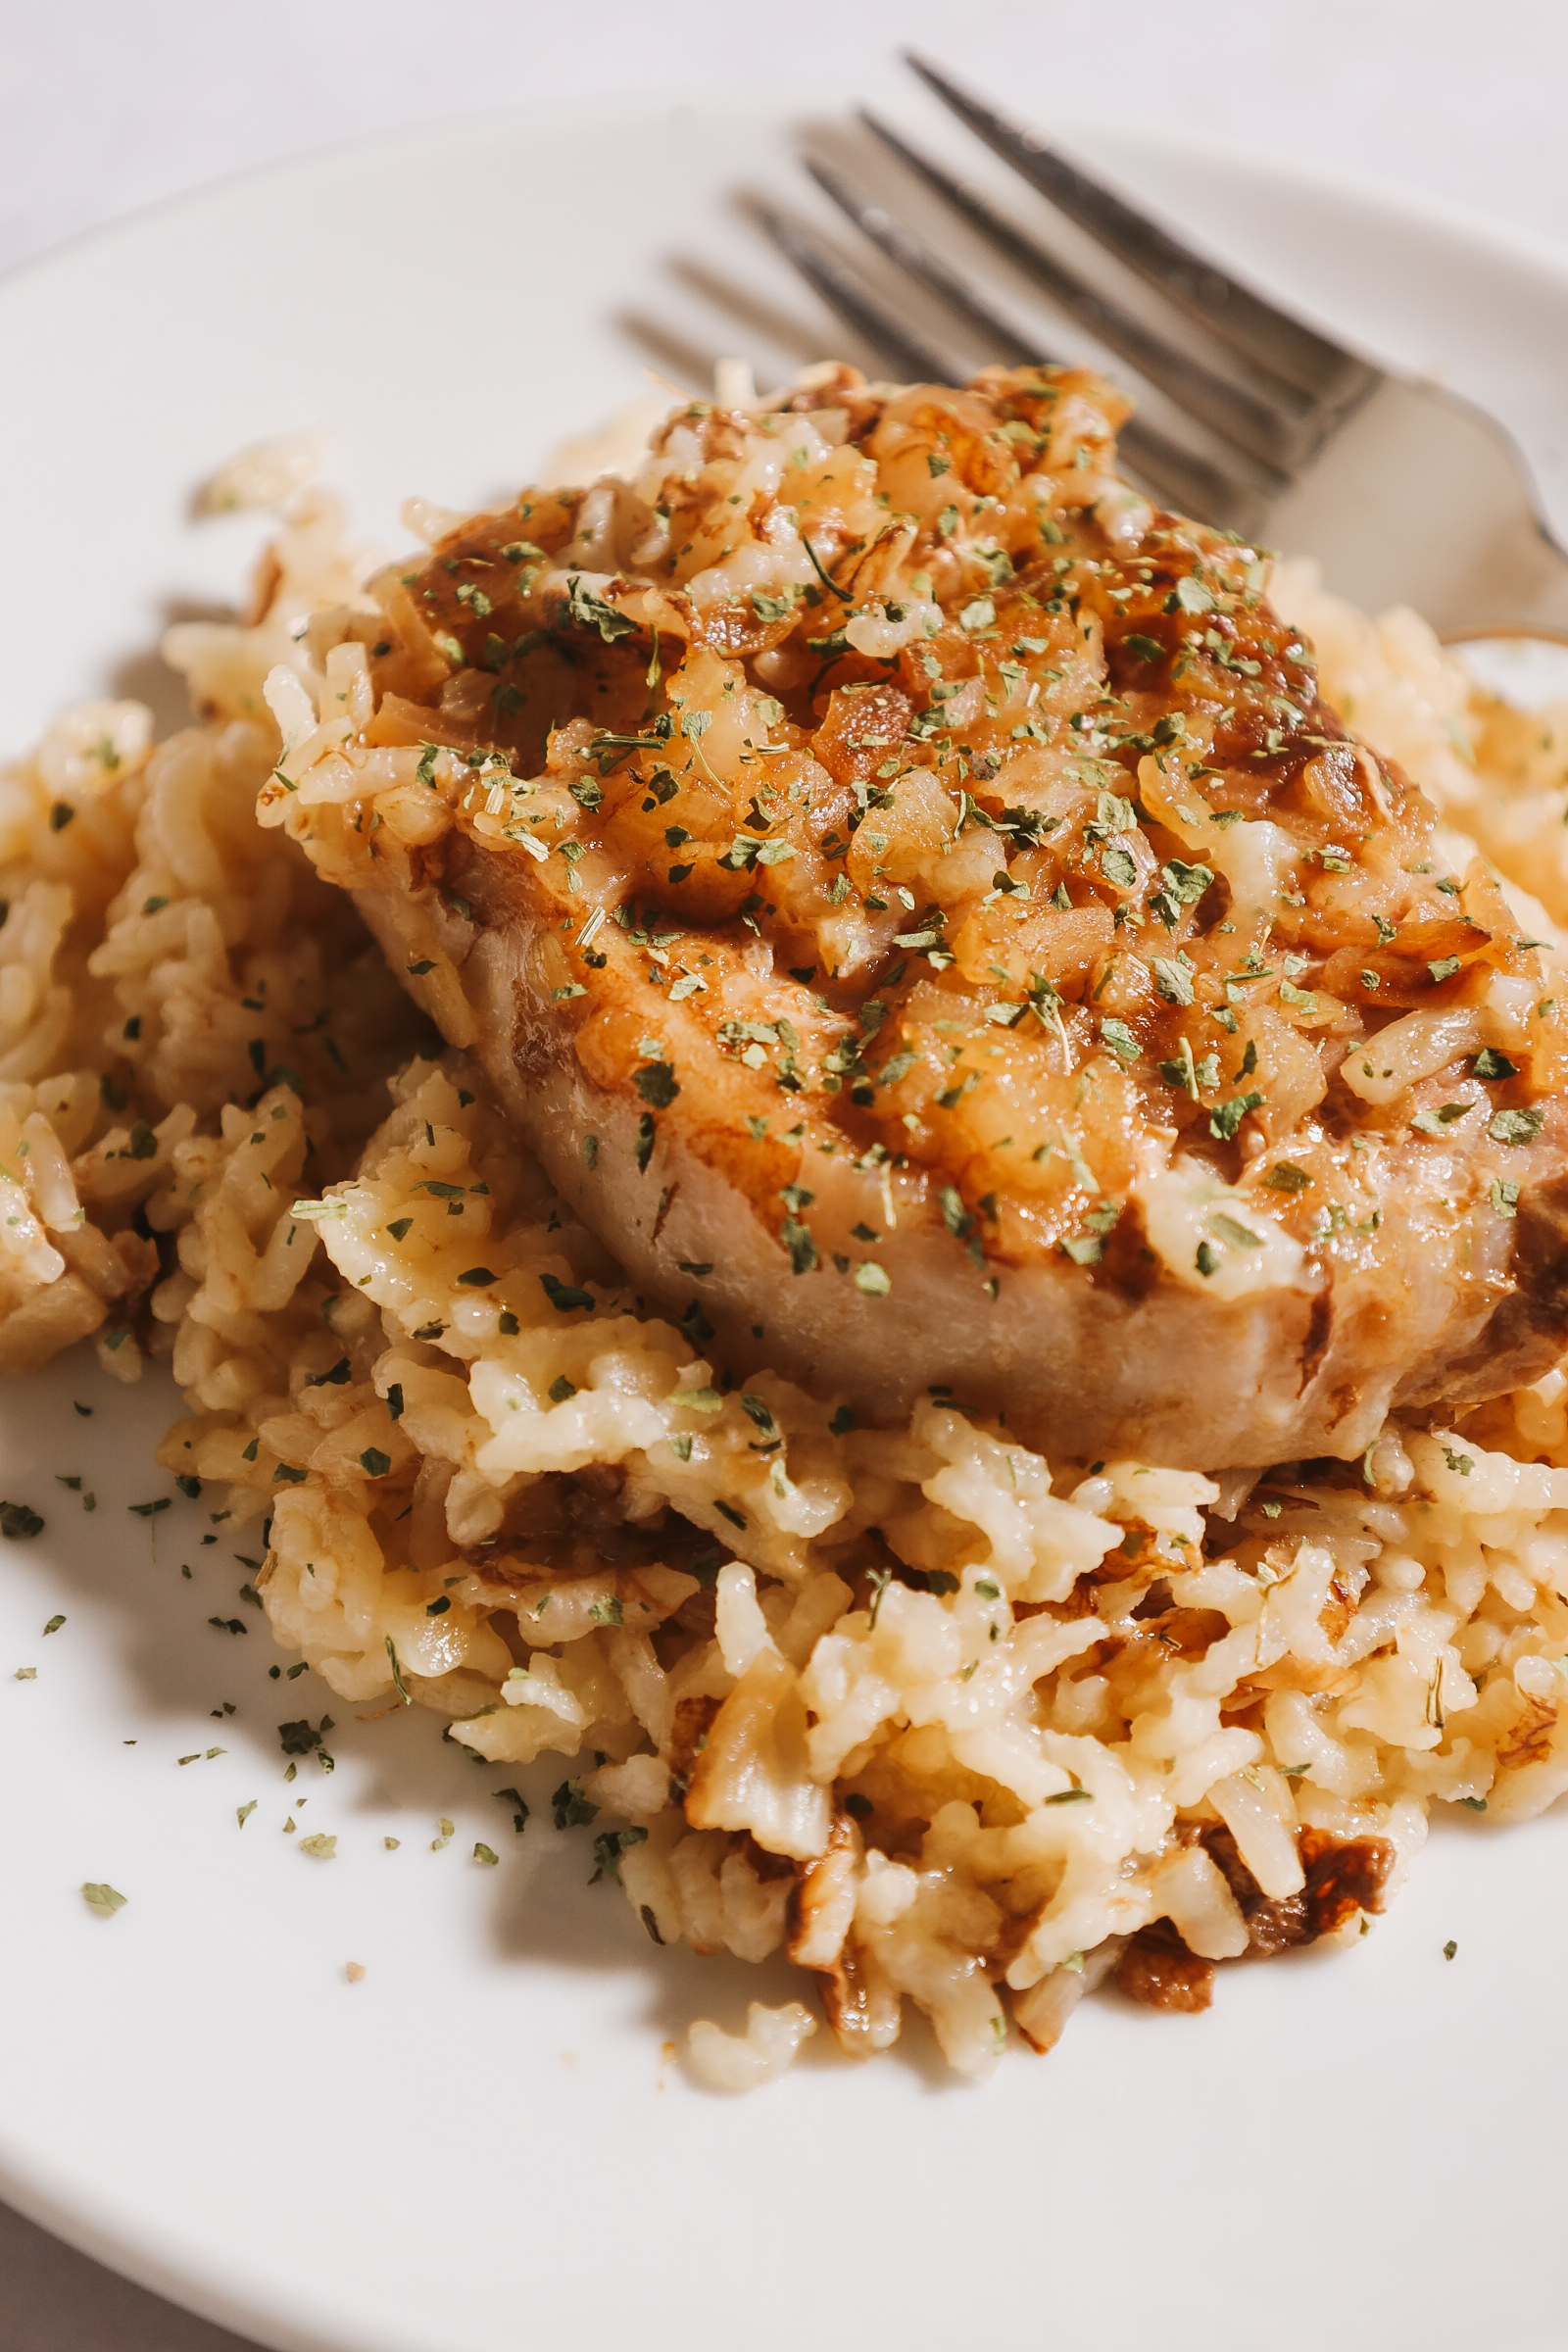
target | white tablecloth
x=106, y=106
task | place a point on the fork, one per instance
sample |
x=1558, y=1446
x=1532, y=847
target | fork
x=1404, y=492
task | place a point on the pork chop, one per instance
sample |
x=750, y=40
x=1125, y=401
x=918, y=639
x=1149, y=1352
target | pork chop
x=914, y=898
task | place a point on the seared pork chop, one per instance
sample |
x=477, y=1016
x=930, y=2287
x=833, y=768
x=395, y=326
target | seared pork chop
x=918, y=906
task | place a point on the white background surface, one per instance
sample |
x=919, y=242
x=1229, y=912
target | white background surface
x=106, y=106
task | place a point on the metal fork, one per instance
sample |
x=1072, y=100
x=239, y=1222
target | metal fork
x=1403, y=492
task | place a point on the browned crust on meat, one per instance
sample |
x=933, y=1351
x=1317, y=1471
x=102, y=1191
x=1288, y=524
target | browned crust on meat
x=1343, y=1876
x=1525, y=1332
x=1159, y=1972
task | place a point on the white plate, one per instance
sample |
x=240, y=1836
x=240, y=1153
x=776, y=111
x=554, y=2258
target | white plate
x=480, y=2145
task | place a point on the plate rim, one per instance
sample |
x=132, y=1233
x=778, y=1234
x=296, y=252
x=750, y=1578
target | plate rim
x=1421, y=207
x=161, y=2264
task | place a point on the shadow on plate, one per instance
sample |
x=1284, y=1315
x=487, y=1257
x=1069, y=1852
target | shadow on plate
x=145, y=676
x=55, y=2298
x=168, y=1636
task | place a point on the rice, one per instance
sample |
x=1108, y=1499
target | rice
x=159, y=956
x=887, y=1700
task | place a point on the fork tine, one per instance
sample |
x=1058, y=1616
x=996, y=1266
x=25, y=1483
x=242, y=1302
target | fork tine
x=912, y=253
x=846, y=293
x=1278, y=427
x=1189, y=482
x=1262, y=332
x=1206, y=398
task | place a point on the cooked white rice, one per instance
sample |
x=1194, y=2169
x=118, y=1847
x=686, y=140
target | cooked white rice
x=882, y=1699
